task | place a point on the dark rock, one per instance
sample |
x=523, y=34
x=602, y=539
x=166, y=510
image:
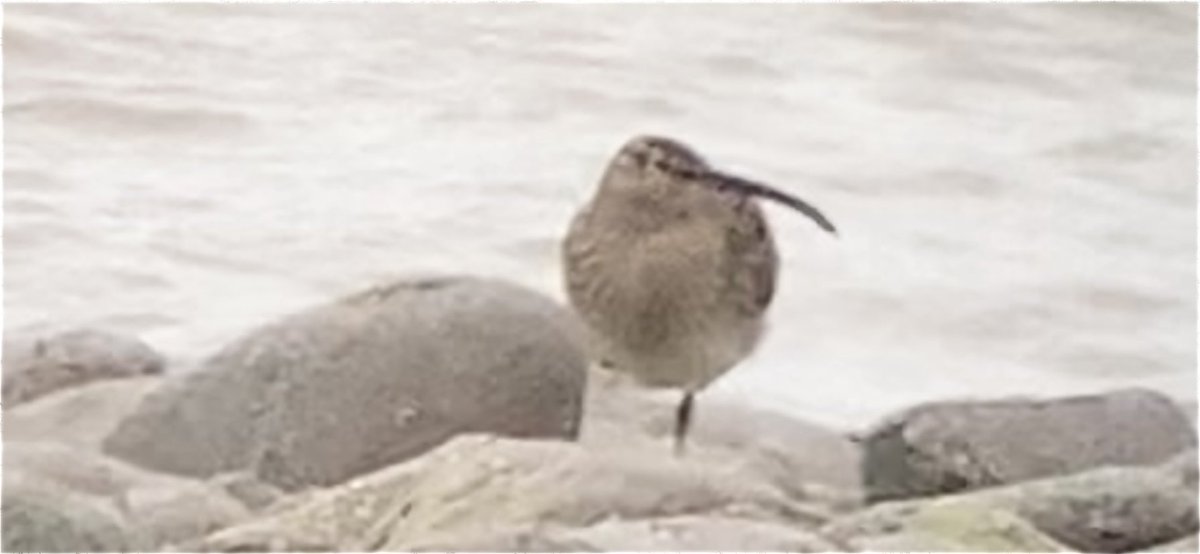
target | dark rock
x=955, y=446
x=37, y=366
x=367, y=381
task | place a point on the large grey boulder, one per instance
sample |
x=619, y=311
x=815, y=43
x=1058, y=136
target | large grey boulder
x=35, y=366
x=1110, y=509
x=113, y=504
x=946, y=447
x=490, y=490
x=367, y=381
x=80, y=416
x=1188, y=405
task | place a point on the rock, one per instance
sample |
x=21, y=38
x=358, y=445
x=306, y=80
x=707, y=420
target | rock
x=686, y=533
x=939, y=527
x=149, y=510
x=41, y=517
x=476, y=486
x=169, y=515
x=697, y=533
x=37, y=366
x=1183, y=466
x=804, y=459
x=1188, y=405
x=1186, y=544
x=80, y=416
x=1111, y=509
x=533, y=538
x=251, y=491
x=367, y=381
x=954, y=446
x=1115, y=509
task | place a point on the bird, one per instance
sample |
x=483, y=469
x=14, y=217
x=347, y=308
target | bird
x=671, y=266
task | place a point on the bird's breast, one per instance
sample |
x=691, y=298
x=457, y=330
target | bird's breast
x=648, y=290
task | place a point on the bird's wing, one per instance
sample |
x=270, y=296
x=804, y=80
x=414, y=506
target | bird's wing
x=755, y=262
x=577, y=253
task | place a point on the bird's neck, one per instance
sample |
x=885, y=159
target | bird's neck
x=634, y=211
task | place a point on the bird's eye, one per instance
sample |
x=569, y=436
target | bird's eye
x=639, y=158
x=662, y=165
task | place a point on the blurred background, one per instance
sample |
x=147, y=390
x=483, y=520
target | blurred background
x=1015, y=185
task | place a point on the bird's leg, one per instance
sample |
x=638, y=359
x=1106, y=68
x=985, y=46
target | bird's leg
x=683, y=419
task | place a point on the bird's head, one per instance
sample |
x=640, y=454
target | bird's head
x=658, y=171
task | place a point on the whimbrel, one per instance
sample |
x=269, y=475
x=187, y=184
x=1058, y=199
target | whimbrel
x=671, y=266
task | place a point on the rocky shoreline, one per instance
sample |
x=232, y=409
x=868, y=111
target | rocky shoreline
x=459, y=414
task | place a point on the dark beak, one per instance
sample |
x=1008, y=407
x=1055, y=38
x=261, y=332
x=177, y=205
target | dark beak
x=723, y=181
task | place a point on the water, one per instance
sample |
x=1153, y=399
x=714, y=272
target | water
x=1015, y=185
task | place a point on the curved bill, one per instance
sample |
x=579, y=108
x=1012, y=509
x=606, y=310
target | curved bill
x=723, y=181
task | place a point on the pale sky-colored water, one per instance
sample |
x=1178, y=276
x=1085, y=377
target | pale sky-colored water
x=1015, y=185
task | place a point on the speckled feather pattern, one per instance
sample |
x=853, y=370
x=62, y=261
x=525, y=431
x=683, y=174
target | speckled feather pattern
x=671, y=279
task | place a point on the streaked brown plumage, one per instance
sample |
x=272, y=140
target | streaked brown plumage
x=671, y=267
